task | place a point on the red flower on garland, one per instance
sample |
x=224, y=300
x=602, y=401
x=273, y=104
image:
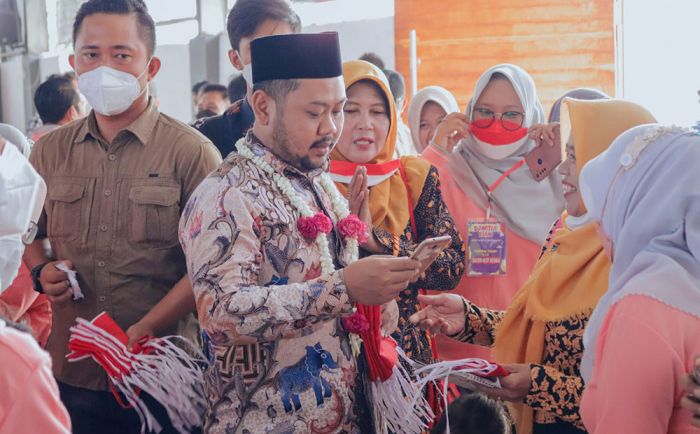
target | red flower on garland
x=353, y=227
x=310, y=227
x=356, y=323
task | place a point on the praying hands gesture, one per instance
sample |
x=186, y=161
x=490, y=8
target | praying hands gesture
x=358, y=199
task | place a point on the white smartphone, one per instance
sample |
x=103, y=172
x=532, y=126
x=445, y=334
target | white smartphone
x=429, y=249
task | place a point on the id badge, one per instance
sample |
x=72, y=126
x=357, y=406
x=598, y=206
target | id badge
x=486, y=241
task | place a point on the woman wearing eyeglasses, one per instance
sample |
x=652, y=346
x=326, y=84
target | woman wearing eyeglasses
x=501, y=211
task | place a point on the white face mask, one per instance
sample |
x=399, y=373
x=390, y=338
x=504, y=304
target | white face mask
x=22, y=194
x=110, y=91
x=247, y=71
x=498, y=152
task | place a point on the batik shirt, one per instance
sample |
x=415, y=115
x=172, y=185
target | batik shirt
x=279, y=360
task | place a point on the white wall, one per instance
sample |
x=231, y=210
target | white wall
x=173, y=81
x=359, y=37
x=660, y=57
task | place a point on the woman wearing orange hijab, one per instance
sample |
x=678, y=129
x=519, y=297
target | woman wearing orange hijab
x=539, y=337
x=401, y=198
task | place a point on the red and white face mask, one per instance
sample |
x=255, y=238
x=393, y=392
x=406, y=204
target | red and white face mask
x=496, y=142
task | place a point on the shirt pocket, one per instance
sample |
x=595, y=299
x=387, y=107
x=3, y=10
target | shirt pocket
x=68, y=209
x=155, y=214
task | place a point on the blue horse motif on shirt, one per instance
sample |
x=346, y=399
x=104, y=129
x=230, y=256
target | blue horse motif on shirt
x=304, y=375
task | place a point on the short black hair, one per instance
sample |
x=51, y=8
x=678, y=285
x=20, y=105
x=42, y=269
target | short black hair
x=198, y=86
x=119, y=7
x=474, y=412
x=374, y=59
x=278, y=90
x=246, y=16
x=213, y=87
x=396, y=83
x=54, y=97
x=237, y=88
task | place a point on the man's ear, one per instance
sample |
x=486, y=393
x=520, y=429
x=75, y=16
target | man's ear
x=235, y=59
x=263, y=106
x=71, y=61
x=72, y=114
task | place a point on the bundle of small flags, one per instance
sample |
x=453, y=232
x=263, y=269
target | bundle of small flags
x=155, y=366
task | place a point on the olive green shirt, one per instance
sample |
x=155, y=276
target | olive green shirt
x=113, y=210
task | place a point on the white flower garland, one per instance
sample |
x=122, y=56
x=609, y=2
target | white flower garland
x=340, y=207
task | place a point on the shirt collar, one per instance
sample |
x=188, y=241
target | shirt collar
x=281, y=166
x=142, y=128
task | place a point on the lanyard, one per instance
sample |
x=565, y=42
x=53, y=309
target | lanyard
x=489, y=191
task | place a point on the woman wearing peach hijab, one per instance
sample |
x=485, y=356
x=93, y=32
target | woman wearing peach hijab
x=539, y=337
x=480, y=159
x=644, y=195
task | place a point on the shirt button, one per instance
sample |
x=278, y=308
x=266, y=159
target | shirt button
x=103, y=228
x=112, y=157
x=103, y=298
x=108, y=192
x=101, y=264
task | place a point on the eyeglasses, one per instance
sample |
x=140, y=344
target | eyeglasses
x=511, y=120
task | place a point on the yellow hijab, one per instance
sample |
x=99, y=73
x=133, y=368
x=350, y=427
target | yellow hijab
x=388, y=201
x=569, y=278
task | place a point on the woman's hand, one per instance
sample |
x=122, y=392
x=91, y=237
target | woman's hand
x=514, y=387
x=137, y=331
x=547, y=133
x=691, y=401
x=453, y=128
x=358, y=200
x=443, y=313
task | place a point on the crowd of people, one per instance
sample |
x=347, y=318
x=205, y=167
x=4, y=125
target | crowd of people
x=278, y=233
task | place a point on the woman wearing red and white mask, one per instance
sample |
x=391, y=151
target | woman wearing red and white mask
x=480, y=157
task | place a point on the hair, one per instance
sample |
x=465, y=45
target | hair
x=198, y=86
x=396, y=84
x=474, y=413
x=237, y=89
x=54, y=97
x=246, y=16
x=278, y=90
x=120, y=7
x=213, y=87
x=374, y=59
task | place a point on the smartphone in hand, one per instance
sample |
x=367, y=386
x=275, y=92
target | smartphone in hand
x=544, y=159
x=429, y=249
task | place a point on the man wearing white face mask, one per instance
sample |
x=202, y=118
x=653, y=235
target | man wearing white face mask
x=29, y=397
x=117, y=183
x=247, y=21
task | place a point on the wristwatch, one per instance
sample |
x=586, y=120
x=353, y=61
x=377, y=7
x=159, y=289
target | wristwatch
x=36, y=273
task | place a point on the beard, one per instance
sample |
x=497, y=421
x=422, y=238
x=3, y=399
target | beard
x=283, y=146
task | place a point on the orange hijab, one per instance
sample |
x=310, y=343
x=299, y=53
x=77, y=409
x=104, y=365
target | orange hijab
x=570, y=278
x=388, y=201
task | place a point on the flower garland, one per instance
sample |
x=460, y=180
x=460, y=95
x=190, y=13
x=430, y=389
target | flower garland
x=316, y=226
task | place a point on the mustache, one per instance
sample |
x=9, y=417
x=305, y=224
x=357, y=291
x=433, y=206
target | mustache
x=320, y=143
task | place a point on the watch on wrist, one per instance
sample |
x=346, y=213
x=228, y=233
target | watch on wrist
x=36, y=274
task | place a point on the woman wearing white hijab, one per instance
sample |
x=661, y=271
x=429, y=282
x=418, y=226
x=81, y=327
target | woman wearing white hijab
x=427, y=109
x=486, y=185
x=644, y=194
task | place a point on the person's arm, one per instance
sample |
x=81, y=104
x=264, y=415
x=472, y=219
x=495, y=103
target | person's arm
x=177, y=303
x=432, y=220
x=221, y=239
x=480, y=325
x=555, y=393
x=634, y=380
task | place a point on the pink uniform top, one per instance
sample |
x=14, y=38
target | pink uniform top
x=21, y=304
x=643, y=349
x=29, y=398
x=491, y=292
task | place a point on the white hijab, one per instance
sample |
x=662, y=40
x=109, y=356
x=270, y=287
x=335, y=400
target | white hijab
x=527, y=206
x=438, y=95
x=644, y=191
